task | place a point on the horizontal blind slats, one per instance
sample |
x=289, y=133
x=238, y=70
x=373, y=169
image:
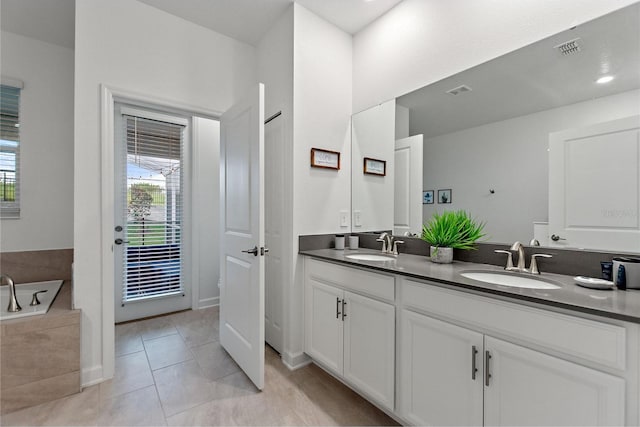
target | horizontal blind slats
x=153, y=257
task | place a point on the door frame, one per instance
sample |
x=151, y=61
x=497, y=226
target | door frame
x=109, y=96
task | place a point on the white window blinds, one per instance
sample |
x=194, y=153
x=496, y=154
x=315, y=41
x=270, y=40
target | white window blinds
x=154, y=209
x=9, y=151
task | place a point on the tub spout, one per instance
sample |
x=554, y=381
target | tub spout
x=13, y=301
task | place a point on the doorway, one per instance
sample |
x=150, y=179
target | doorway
x=151, y=211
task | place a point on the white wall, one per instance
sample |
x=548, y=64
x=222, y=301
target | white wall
x=511, y=157
x=275, y=70
x=206, y=210
x=422, y=41
x=373, y=135
x=322, y=111
x=46, y=144
x=129, y=45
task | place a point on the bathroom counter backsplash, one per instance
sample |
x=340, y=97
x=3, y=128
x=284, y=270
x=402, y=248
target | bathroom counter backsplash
x=617, y=304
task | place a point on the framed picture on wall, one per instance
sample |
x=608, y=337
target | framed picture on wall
x=375, y=166
x=325, y=159
x=427, y=197
x=444, y=196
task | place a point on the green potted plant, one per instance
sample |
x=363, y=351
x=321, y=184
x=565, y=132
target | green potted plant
x=451, y=230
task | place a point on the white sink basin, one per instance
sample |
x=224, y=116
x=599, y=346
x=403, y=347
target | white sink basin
x=370, y=257
x=509, y=280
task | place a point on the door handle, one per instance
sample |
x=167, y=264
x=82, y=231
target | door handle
x=337, y=308
x=253, y=251
x=555, y=237
x=474, y=368
x=487, y=374
x=119, y=241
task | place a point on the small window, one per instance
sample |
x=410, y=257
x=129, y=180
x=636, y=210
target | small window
x=10, y=149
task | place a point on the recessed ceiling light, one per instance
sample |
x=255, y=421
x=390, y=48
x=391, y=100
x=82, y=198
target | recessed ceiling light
x=604, y=79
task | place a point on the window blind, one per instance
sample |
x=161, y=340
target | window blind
x=154, y=209
x=9, y=151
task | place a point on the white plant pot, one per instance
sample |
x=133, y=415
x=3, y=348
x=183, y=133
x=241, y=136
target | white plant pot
x=441, y=255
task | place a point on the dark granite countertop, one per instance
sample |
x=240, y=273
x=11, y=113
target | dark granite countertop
x=615, y=304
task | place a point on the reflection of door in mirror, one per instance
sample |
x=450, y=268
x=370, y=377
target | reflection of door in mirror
x=593, y=186
x=407, y=215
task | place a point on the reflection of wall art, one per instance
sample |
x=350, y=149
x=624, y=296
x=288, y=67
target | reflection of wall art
x=444, y=196
x=375, y=166
x=427, y=197
x=325, y=159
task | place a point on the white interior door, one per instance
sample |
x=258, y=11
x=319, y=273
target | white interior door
x=274, y=228
x=407, y=215
x=594, y=186
x=242, y=266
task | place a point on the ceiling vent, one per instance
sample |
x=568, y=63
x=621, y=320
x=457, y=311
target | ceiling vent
x=459, y=90
x=570, y=47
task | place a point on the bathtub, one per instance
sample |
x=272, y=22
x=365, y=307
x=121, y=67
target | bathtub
x=24, y=293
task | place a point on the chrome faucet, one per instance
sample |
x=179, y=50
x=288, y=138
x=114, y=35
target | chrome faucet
x=533, y=266
x=517, y=246
x=387, y=242
x=13, y=301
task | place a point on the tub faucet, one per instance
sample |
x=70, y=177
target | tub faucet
x=13, y=301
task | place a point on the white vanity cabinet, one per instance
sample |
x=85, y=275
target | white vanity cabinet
x=458, y=373
x=352, y=333
x=452, y=375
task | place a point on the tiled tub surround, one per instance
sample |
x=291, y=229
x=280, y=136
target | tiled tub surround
x=37, y=266
x=40, y=355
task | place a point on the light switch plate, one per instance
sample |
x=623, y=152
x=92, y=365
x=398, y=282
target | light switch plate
x=357, y=218
x=344, y=218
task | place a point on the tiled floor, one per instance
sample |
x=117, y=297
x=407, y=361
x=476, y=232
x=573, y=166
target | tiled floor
x=172, y=371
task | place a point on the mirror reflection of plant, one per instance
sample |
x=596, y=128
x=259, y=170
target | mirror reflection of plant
x=453, y=229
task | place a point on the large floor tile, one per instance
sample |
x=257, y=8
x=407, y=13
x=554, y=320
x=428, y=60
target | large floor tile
x=214, y=413
x=156, y=327
x=199, y=331
x=214, y=361
x=132, y=372
x=166, y=351
x=128, y=339
x=182, y=387
x=80, y=409
x=138, y=408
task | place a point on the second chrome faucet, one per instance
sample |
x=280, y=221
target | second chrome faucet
x=520, y=267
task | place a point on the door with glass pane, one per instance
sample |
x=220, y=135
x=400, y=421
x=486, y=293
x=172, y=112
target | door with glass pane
x=150, y=232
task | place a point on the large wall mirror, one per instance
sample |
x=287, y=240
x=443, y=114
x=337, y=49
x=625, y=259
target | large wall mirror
x=542, y=143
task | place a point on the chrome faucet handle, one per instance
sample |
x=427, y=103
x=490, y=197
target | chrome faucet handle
x=509, y=258
x=534, y=263
x=395, y=246
x=34, y=297
x=534, y=242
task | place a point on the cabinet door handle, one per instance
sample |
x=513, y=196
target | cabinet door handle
x=474, y=368
x=337, y=308
x=487, y=374
x=344, y=311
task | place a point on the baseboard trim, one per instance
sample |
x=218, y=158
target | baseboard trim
x=295, y=361
x=209, y=302
x=91, y=376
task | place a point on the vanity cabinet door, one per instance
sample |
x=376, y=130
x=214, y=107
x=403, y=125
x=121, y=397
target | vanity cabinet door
x=527, y=387
x=437, y=380
x=323, y=324
x=369, y=347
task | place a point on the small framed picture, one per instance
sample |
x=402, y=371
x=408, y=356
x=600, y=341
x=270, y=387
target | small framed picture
x=325, y=159
x=444, y=196
x=427, y=197
x=375, y=166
